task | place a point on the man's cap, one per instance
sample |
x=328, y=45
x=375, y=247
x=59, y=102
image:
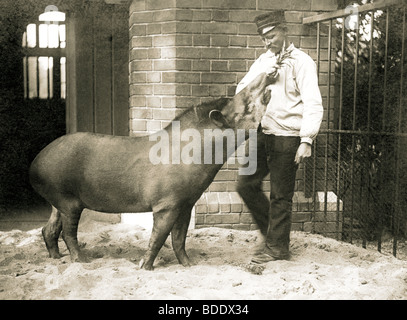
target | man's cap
x=268, y=21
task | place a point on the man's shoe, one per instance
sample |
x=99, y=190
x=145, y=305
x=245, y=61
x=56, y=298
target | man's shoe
x=262, y=258
x=265, y=257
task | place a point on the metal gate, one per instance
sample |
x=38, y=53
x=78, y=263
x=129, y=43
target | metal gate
x=359, y=162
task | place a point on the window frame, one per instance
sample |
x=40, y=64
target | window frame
x=56, y=86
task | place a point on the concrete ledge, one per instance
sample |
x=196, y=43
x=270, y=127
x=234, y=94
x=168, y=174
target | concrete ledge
x=145, y=219
x=142, y=219
x=227, y=210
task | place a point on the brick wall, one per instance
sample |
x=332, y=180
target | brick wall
x=183, y=53
x=227, y=210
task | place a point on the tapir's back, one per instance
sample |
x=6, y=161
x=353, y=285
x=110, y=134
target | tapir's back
x=52, y=167
x=70, y=161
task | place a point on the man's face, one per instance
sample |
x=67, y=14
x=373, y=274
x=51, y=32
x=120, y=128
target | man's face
x=274, y=40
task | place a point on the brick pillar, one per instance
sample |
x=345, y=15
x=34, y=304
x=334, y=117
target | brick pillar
x=185, y=52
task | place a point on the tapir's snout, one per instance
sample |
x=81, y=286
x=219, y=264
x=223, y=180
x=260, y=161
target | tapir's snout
x=247, y=108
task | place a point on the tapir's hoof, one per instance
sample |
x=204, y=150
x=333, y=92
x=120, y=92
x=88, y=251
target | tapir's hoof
x=184, y=260
x=145, y=266
x=55, y=255
x=79, y=258
x=186, y=263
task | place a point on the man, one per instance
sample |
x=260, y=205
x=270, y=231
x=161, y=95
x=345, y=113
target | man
x=285, y=136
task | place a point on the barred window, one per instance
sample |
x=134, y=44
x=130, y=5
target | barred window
x=44, y=60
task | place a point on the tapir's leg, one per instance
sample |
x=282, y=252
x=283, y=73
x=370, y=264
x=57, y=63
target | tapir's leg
x=51, y=233
x=163, y=222
x=178, y=235
x=70, y=221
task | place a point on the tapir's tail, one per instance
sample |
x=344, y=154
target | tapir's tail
x=35, y=177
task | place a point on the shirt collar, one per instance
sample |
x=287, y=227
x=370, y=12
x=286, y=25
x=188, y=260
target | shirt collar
x=290, y=48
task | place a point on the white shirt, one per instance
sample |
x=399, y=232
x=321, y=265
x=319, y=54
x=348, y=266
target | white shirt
x=295, y=107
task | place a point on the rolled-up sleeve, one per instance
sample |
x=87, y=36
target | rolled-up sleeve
x=254, y=71
x=307, y=82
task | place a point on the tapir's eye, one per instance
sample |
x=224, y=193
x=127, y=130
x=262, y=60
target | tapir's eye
x=249, y=108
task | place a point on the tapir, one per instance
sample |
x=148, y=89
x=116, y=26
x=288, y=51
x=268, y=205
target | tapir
x=115, y=174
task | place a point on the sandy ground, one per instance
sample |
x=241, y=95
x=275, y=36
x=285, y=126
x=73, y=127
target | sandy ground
x=320, y=268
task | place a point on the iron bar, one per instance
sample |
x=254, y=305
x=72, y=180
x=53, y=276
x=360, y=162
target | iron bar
x=48, y=79
x=381, y=176
x=27, y=82
x=326, y=156
x=48, y=52
x=366, y=209
x=386, y=65
x=369, y=102
x=314, y=186
x=57, y=78
x=37, y=44
x=338, y=169
x=399, y=128
x=318, y=48
x=361, y=186
x=365, y=133
x=94, y=52
x=345, y=12
x=314, y=178
x=355, y=94
x=112, y=74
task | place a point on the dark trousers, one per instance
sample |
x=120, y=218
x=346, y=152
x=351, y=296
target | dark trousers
x=275, y=155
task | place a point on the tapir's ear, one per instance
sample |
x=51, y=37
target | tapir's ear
x=218, y=118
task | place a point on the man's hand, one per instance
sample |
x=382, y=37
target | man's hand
x=272, y=73
x=304, y=151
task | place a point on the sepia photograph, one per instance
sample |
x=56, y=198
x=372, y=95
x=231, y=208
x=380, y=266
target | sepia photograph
x=216, y=152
